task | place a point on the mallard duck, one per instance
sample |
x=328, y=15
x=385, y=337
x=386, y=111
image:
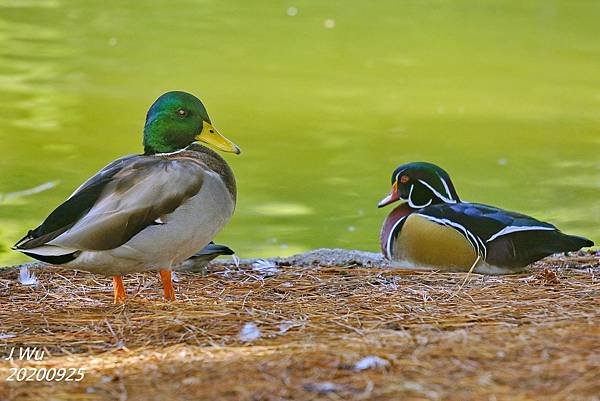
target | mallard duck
x=145, y=212
x=198, y=262
x=435, y=229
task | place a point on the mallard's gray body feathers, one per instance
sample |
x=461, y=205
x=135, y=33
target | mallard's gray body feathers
x=114, y=221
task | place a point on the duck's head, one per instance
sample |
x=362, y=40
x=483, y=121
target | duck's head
x=176, y=120
x=420, y=184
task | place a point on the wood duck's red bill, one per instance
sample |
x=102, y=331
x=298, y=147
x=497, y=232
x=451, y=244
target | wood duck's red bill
x=391, y=198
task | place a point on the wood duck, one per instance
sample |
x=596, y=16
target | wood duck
x=146, y=212
x=434, y=229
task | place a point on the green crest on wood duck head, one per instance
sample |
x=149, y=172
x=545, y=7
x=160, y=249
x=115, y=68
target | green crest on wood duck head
x=420, y=184
x=176, y=120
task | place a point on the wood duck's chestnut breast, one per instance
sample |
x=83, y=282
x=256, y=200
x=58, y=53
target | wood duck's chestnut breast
x=391, y=227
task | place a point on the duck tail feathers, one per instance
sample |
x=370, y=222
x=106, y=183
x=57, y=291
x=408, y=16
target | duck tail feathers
x=573, y=243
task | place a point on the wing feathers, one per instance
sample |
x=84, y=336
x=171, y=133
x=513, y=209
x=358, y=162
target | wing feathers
x=507, y=238
x=119, y=202
x=76, y=206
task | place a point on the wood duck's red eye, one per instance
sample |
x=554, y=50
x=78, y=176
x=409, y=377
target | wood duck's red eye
x=182, y=112
x=404, y=179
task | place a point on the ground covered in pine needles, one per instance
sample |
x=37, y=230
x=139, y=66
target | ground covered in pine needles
x=298, y=333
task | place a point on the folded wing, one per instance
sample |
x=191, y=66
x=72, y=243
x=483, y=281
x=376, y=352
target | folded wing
x=120, y=201
x=503, y=237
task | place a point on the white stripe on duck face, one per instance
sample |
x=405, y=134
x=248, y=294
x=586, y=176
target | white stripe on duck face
x=414, y=205
x=514, y=229
x=476, y=242
x=439, y=195
x=398, y=175
x=447, y=188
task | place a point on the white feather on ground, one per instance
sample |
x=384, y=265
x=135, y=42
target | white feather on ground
x=266, y=268
x=322, y=387
x=287, y=325
x=26, y=277
x=249, y=332
x=371, y=362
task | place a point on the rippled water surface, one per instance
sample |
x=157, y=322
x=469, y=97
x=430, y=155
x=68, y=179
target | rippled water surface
x=324, y=98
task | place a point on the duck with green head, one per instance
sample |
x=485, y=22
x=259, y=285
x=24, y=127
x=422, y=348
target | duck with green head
x=146, y=212
x=435, y=229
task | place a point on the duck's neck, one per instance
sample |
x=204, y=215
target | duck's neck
x=215, y=162
x=162, y=138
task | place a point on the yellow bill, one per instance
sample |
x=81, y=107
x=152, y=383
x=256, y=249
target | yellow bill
x=210, y=135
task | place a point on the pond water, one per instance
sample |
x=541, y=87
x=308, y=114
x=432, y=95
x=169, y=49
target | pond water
x=324, y=98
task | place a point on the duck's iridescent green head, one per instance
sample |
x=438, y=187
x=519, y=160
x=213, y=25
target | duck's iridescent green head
x=177, y=119
x=421, y=184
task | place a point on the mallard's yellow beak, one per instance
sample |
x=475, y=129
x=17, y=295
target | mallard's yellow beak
x=210, y=135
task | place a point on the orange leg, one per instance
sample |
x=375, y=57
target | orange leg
x=119, y=288
x=165, y=277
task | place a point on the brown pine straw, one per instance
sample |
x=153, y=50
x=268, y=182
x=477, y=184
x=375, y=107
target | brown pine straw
x=523, y=337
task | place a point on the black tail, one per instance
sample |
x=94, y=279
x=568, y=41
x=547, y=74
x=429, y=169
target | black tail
x=522, y=248
x=214, y=249
x=574, y=243
x=54, y=259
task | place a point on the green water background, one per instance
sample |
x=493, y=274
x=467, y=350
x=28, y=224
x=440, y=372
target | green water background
x=324, y=98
